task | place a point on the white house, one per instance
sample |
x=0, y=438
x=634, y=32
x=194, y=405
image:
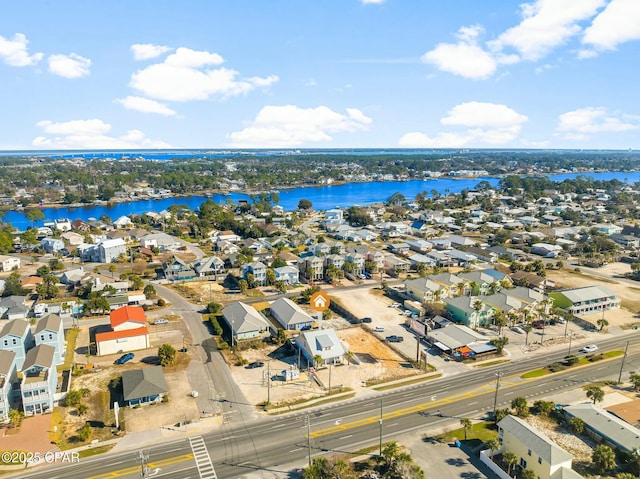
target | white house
x=323, y=343
x=288, y=274
x=8, y=263
x=110, y=250
x=123, y=222
x=129, y=331
x=290, y=315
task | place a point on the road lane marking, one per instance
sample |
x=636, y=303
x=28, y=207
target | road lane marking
x=136, y=469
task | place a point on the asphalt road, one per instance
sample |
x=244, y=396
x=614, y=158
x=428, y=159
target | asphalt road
x=239, y=448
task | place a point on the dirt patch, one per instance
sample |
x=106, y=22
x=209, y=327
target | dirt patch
x=627, y=314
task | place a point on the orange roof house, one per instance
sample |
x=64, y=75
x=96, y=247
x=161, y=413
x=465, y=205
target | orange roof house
x=129, y=331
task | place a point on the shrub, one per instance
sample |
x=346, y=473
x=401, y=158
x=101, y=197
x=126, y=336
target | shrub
x=215, y=324
x=555, y=367
x=571, y=360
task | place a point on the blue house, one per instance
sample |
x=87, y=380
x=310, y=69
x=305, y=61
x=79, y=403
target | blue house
x=8, y=380
x=49, y=330
x=142, y=386
x=16, y=336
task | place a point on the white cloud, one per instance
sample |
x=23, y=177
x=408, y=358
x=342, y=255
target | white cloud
x=184, y=76
x=487, y=124
x=464, y=58
x=546, y=25
x=480, y=114
x=291, y=126
x=90, y=134
x=619, y=22
x=147, y=51
x=69, y=66
x=578, y=124
x=14, y=51
x=145, y=105
x=377, y=2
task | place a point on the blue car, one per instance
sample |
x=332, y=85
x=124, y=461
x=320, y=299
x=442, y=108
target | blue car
x=124, y=358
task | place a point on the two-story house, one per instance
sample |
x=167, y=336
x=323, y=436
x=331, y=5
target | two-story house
x=9, y=263
x=129, y=331
x=259, y=271
x=110, y=250
x=288, y=274
x=39, y=380
x=8, y=382
x=49, y=330
x=16, y=336
x=175, y=269
x=211, y=266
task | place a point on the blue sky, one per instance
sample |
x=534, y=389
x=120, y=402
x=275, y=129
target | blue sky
x=319, y=74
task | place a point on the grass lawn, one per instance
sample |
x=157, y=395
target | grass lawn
x=480, y=431
x=536, y=373
x=72, y=337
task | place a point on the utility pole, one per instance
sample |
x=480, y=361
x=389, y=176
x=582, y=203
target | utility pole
x=309, y=438
x=417, y=348
x=268, y=382
x=329, y=380
x=380, y=421
x=499, y=374
x=622, y=365
x=143, y=458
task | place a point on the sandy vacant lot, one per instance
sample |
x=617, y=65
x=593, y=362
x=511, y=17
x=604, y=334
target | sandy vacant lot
x=608, y=276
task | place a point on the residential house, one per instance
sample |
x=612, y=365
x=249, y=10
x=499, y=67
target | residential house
x=288, y=274
x=534, y=449
x=454, y=284
x=334, y=216
x=210, y=266
x=8, y=263
x=424, y=290
x=335, y=260
x=394, y=265
x=245, y=321
x=628, y=241
x=49, y=330
x=457, y=340
x=175, y=269
x=419, y=259
x=123, y=222
x=320, y=249
x=143, y=386
x=469, y=310
x=259, y=271
x=532, y=280
x=80, y=225
x=14, y=307
x=357, y=260
x=546, y=250
x=313, y=268
x=229, y=236
x=8, y=382
x=483, y=254
x=376, y=257
x=110, y=250
x=486, y=281
x=72, y=238
x=442, y=259
x=63, y=224
x=400, y=248
x=290, y=315
x=419, y=246
x=289, y=258
x=323, y=344
x=605, y=427
x=52, y=245
x=129, y=331
x=587, y=300
x=161, y=241
x=39, y=380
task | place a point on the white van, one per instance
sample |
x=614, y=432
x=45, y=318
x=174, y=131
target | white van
x=161, y=321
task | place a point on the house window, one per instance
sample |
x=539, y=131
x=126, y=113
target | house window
x=523, y=463
x=529, y=452
x=15, y=341
x=539, y=460
x=51, y=336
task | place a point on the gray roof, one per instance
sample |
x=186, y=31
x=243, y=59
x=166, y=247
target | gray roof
x=454, y=336
x=535, y=440
x=140, y=383
x=212, y=263
x=587, y=293
x=6, y=361
x=15, y=327
x=287, y=312
x=12, y=301
x=315, y=342
x=566, y=473
x=52, y=322
x=244, y=318
x=606, y=425
x=42, y=355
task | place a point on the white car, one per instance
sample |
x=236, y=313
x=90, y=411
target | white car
x=589, y=348
x=379, y=329
x=518, y=329
x=161, y=321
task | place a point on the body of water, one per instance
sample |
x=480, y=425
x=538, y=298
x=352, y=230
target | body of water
x=322, y=197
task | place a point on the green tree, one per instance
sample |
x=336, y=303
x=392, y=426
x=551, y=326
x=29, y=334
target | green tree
x=602, y=323
x=501, y=414
x=12, y=286
x=82, y=408
x=595, y=393
x=34, y=215
x=510, y=459
x=15, y=417
x=56, y=265
x=319, y=469
x=167, y=354
x=603, y=458
x=528, y=474
x=304, y=204
x=493, y=445
x=466, y=426
x=29, y=237
x=520, y=407
x=96, y=305
x=271, y=277
x=544, y=407
x=85, y=433
x=149, y=291
x=48, y=289
x=634, y=378
x=390, y=452
x=500, y=343
x=243, y=285
x=73, y=398
x=214, y=308
x=576, y=425
x=317, y=360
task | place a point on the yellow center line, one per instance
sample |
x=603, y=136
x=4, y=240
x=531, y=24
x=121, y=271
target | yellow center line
x=136, y=469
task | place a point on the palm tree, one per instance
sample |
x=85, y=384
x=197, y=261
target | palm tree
x=595, y=393
x=603, y=458
x=528, y=474
x=527, y=329
x=510, y=459
x=499, y=320
x=519, y=405
x=466, y=425
x=493, y=445
x=602, y=323
x=317, y=360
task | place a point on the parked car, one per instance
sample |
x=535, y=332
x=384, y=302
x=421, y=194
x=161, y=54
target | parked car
x=518, y=329
x=155, y=360
x=538, y=324
x=124, y=358
x=161, y=321
x=255, y=364
x=366, y=320
x=379, y=329
x=394, y=339
x=589, y=348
